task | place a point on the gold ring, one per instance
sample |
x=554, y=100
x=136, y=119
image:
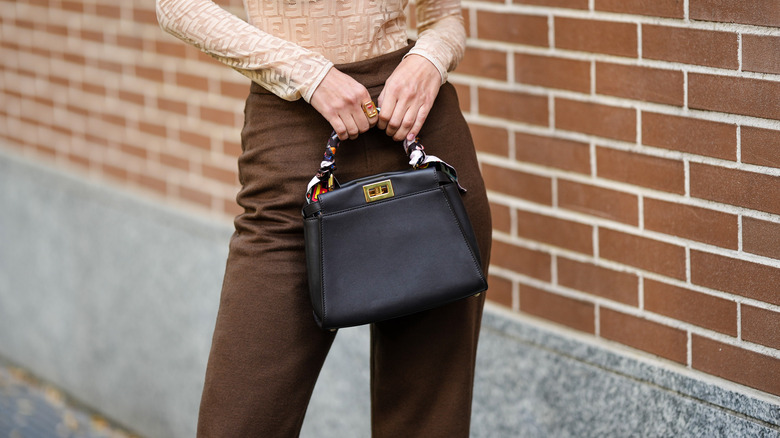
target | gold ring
x=369, y=108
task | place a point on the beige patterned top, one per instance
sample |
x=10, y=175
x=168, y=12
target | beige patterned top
x=289, y=45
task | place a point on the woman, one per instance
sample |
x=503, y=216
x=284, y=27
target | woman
x=316, y=65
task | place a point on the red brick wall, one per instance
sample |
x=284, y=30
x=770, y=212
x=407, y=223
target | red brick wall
x=631, y=149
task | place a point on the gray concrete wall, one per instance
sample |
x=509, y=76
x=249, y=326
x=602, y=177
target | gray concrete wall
x=113, y=298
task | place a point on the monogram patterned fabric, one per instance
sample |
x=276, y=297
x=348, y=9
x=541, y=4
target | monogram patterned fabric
x=288, y=46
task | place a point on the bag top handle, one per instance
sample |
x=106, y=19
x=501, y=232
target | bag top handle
x=324, y=180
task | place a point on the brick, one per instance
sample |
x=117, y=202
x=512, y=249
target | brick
x=239, y=90
x=153, y=129
x=597, y=201
x=761, y=146
x=74, y=58
x=78, y=160
x=134, y=150
x=93, y=88
x=195, y=82
x=569, y=4
x=596, y=119
x=500, y=291
x=524, y=261
x=194, y=139
x=554, y=231
x=151, y=183
x=693, y=307
x=143, y=15
x=129, y=96
x=552, y=72
x=658, y=339
x=96, y=139
x=151, y=73
x=761, y=237
x=113, y=67
x=750, y=97
x=130, y=42
x=175, y=49
x=512, y=28
x=113, y=119
x=232, y=148
x=115, y=172
x=228, y=176
x=485, y=63
x=735, y=276
x=761, y=53
x=464, y=12
x=635, y=168
x=24, y=24
x=588, y=35
x=685, y=134
x=690, y=46
x=195, y=196
x=736, y=187
x=57, y=30
x=173, y=106
x=656, y=8
x=640, y=83
x=758, y=12
x=231, y=208
x=642, y=252
x=502, y=220
x=736, y=364
x=613, y=285
x=174, y=161
x=490, y=140
x=694, y=223
x=464, y=97
x=761, y=326
x=92, y=36
x=552, y=152
x=566, y=311
x=518, y=184
x=516, y=106
x=222, y=117
x=72, y=6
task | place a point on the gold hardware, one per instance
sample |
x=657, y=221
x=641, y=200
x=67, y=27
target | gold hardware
x=379, y=190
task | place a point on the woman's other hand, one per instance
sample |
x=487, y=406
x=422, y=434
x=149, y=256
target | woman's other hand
x=339, y=99
x=408, y=97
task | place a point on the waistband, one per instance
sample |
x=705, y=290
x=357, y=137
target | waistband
x=371, y=72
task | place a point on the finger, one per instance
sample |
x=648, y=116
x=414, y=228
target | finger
x=352, y=127
x=422, y=114
x=402, y=119
x=410, y=115
x=339, y=128
x=388, y=107
x=363, y=122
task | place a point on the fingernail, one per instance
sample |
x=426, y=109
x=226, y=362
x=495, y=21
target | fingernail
x=410, y=137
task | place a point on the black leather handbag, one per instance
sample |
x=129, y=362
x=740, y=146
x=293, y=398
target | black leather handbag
x=388, y=245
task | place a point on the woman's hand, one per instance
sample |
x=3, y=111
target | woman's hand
x=339, y=99
x=408, y=97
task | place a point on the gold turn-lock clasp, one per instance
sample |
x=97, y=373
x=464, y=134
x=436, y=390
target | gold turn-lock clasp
x=378, y=190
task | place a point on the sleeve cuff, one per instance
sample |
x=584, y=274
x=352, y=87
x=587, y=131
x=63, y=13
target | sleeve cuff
x=316, y=82
x=434, y=61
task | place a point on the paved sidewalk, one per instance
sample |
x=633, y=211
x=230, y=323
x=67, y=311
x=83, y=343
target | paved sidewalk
x=32, y=409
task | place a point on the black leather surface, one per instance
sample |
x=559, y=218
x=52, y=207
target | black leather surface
x=368, y=262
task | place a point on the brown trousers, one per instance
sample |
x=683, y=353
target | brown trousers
x=267, y=350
